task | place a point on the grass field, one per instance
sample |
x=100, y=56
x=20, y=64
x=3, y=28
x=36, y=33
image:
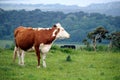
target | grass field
x=84, y=65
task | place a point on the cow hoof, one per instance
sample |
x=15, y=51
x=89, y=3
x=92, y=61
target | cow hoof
x=21, y=64
x=38, y=66
x=44, y=66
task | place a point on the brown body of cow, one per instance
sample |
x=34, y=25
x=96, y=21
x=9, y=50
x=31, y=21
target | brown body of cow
x=40, y=38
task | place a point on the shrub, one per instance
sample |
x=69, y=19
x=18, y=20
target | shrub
x=88, y=48
x=7, y=46
x=68, y=58
x=12, y=47
x=55, y=47
x=1, y=50
x=102, y=48
x=66, y=50
x=115, y=49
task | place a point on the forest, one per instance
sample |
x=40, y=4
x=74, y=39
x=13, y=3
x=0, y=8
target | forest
x=78, y=24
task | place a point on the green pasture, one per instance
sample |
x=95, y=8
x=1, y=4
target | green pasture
x=84, y=65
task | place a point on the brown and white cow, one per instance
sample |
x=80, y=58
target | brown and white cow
x=39, y=38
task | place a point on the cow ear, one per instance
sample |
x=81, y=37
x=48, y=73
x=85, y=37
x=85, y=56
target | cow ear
x=57, y=31
x=54, y=26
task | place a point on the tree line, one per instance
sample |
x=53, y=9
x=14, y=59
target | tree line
x=78, y=24
x=100, y=34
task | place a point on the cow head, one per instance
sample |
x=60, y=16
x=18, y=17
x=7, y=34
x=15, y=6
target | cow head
x=62, y=33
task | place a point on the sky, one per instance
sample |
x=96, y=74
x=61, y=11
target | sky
x=64, y=2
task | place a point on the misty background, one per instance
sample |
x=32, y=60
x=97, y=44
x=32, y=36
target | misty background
x=78, y=17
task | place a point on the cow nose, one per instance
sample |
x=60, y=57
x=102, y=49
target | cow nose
x=68, y=35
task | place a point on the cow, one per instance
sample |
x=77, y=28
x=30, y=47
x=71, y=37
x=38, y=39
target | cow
x=39, y=38
x=68, y=46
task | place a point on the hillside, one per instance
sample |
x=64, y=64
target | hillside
x=43, y=7
x=111, y=8
x=78, y=24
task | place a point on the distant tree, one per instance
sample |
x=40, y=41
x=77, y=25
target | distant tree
x=114, y=39
x=109, y=37
x=85, y=41
x=97, y=35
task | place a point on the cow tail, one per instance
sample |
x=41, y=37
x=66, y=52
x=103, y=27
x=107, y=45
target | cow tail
x=16, y=31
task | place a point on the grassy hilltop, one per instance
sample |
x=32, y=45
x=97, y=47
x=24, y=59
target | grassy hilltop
x=84, y=65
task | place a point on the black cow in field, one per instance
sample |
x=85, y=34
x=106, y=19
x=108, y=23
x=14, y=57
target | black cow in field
x=69, y=46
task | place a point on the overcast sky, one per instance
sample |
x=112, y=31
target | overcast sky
x=66, y=2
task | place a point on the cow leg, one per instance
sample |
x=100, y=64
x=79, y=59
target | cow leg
x=45, y=49
x=38, y=55
x=22, y=57
x=44, y=57
x=14, y=54
x=19, y=56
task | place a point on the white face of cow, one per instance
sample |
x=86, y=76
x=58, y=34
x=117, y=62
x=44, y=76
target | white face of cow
x=62, y=33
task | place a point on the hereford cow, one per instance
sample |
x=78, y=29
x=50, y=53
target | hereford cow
x=39, y=38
